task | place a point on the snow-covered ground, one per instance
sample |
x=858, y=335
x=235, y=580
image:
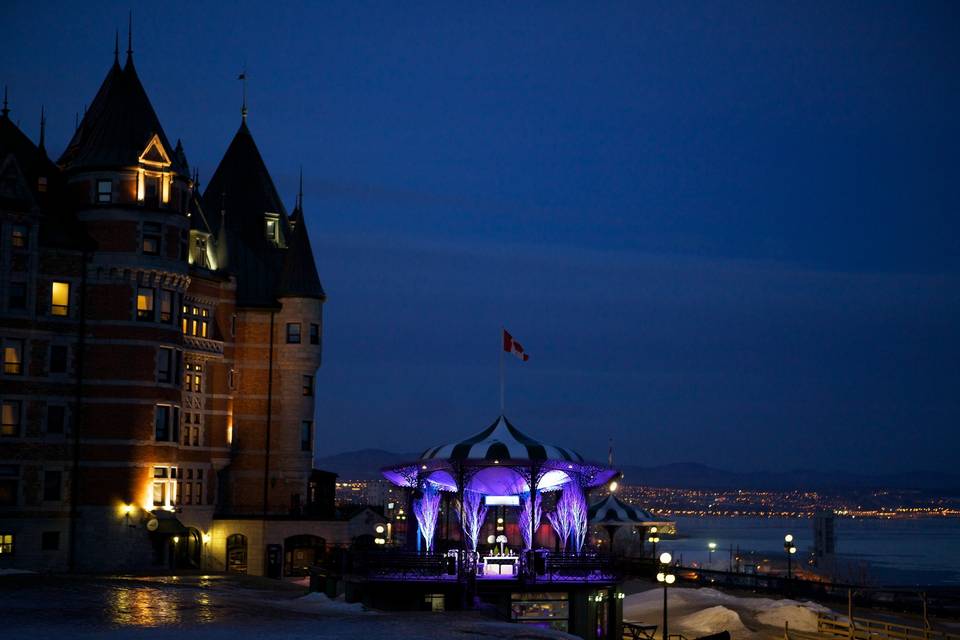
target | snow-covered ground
x=699, y=612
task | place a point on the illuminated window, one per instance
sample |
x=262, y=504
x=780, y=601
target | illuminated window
x=314, y=333
x=145, y=304
x=293, y=333
x=308, y=385
x=17, y=296
x=193, y=378
x=58, y=358
x=6, y=543
x=200, y=252
x=151, y=238
x=306, y=435
x=104, y=191
x=13, y=356
x=60, y=298
x=52, y=484
x=166, y=306
x=271, y=229
x=165, y=487
x=195, y=321
x=20, y=236
x=10, y=412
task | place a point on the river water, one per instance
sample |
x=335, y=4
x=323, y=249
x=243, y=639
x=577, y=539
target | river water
x=904, y=552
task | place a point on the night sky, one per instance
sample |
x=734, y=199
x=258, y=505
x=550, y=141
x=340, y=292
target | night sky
x=725, y=232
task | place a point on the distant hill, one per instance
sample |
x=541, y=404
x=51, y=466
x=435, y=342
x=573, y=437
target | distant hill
x=365, y=464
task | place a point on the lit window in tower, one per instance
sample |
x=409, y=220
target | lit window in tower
x=59, y=298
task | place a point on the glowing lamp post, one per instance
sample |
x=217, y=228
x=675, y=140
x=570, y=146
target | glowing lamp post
x=712, y=546
x=666, y=577
x=653, y=539
x=789, y=549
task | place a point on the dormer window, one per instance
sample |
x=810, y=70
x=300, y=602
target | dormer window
x=271, y=229
x=42, y=184
x=104, y=191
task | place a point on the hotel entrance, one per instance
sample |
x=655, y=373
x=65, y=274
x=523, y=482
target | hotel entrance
x=302, y=552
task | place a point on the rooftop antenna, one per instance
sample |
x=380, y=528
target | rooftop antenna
x=610, y=454
x=243, y=78
x=6, y=109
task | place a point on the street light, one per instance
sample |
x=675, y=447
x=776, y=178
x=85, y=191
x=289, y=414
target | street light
x=713, y=547
x=653, y=539
x=789, y=549
x=667, y=578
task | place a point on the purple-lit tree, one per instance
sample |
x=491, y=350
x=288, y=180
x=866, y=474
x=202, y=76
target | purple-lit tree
x=529, y=518
x=560, y=521
x=426, y=509
x=473, y=512
x=576, y=505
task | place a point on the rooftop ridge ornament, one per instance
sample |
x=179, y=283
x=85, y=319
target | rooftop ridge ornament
x=130, y=36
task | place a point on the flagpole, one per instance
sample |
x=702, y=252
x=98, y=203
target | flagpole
x=501, y=370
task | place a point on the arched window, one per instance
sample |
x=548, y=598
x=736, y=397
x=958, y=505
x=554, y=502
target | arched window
x=237, y=553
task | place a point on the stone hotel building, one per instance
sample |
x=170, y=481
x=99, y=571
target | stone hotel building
x=159, y=352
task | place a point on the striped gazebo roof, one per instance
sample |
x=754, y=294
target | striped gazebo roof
x=612, y=511
x=501, y=441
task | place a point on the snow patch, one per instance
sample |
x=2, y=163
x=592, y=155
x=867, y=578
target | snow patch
x=712, y=620
x=319, y=602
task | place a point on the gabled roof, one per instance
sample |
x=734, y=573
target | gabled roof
x=242, y=188
x=118, y=125
x=299, y=278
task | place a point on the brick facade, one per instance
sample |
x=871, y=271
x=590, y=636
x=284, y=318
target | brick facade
x=155, y=402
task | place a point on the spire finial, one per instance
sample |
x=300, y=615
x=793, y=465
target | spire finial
x=130, y=35
x=116, y=46
x=43, y=126
x=6, y=109
x=300, y=193
x=243, y=78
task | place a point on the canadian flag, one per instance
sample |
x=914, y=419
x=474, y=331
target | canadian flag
x=512, y=346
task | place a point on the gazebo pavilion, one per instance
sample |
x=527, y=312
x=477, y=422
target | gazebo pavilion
x=500, y=465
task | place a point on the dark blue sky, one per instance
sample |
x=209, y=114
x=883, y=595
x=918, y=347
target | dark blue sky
x=726, y=232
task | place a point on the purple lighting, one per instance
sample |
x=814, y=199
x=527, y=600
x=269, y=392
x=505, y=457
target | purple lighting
x=560, y=520
x=524, y=520
x=576, y=514
x=426, y=508
x=472, y=514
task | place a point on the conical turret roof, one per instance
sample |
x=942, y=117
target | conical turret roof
x=299, y=278
x=242, y=188
x=117, y=126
